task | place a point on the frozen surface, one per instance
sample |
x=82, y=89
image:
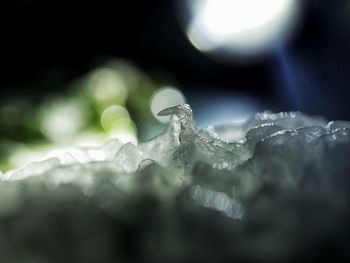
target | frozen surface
x=275, y=188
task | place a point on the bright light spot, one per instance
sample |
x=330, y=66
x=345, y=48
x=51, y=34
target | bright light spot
x=23, y=155
x=96, y=155
x=165, y=98
x=68, y=155
x=115, y=117
x=108, y=87
x=89, y=139
x=61, y=120
x=241, y=27
x=124, y=136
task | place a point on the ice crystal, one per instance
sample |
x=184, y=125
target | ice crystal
x=274, y=188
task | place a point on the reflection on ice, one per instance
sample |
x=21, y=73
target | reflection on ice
x=216, y=200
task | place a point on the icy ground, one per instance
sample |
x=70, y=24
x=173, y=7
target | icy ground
x=276, y=188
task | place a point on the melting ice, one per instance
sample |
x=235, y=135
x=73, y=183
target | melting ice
x=276, y=178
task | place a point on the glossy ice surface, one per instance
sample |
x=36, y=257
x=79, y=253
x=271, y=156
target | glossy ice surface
x=276, y=187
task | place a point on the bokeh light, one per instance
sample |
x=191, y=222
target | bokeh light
x=112, y=101
x=107, y=87
x=61, y=119
x=165, y=98
x=22, y=154
x=115, y=117
x=241, y=28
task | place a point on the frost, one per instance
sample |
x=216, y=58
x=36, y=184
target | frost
x=270, y=186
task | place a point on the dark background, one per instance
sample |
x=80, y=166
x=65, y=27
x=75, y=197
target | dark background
x=48, y=43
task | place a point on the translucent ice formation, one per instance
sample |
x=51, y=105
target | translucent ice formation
x=275, y=188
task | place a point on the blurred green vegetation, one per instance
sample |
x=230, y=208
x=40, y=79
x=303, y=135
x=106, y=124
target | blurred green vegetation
x=112, y=101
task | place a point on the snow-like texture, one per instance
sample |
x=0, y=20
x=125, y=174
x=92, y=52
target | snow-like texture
x=275, y=188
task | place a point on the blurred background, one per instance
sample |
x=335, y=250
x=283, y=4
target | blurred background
x=76, y=73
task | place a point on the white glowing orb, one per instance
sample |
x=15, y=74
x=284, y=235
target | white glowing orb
x=241, y=27
x=115, y=117
x=61, y=120
x=107, y=87
x=165, y=98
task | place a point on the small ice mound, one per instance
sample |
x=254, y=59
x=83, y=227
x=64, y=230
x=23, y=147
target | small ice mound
x=270, y=186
